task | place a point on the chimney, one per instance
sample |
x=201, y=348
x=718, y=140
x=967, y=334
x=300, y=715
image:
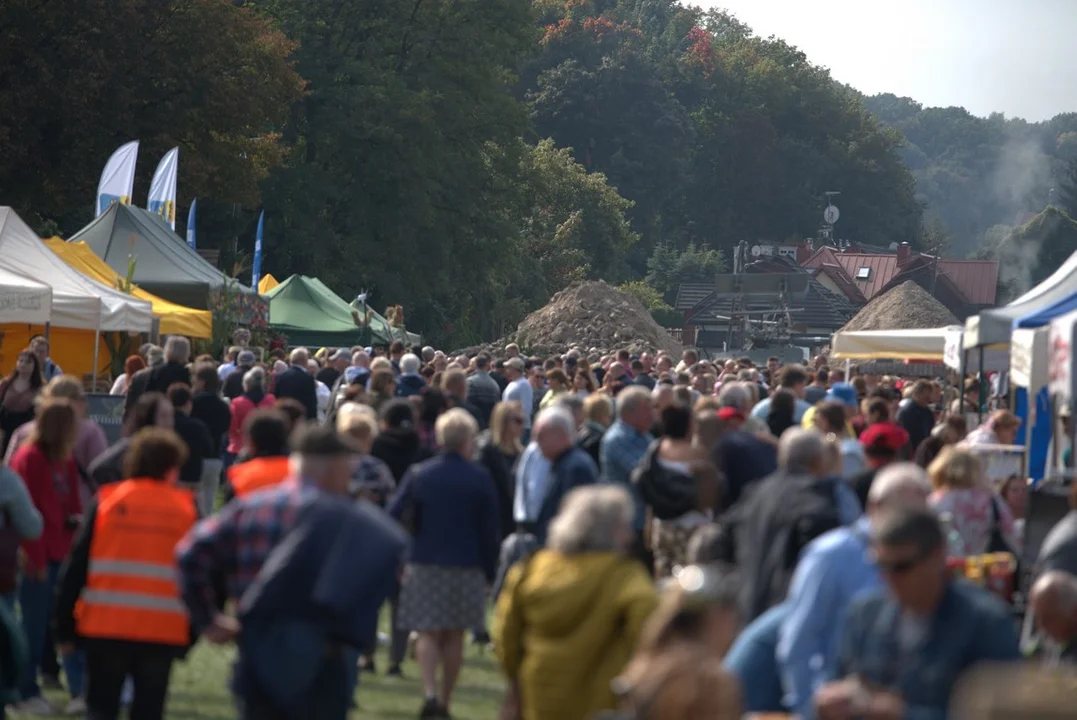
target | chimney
x=903, y=253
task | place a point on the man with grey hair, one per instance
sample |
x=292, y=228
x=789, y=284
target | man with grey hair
x=539, y=494
x=574, y=404
x=233, y=384
x=833, y=569
x=772, y=524
x=297, y=383
x=136, y=385
x=624, y=445
x=1053, y=599
x=174, y=370
x=482, y=389
x=740, y=454
x=428, y=354
x=410, y=382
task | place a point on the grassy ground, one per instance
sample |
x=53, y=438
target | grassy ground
x=199, y=689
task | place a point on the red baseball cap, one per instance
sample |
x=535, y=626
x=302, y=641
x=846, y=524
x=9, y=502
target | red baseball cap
x=886, y=436
x=730, y=413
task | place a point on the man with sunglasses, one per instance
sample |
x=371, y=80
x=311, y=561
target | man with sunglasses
x=834, y=569
x=904, y=647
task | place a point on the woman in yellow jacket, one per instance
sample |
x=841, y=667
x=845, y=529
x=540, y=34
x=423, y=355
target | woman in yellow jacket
x=568, y=618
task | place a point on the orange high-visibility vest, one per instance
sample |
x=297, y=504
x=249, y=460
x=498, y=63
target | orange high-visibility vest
x=258, y=474
x=131, y=591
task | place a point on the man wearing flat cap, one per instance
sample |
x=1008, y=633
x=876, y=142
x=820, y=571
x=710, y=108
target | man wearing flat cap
x=279, y=551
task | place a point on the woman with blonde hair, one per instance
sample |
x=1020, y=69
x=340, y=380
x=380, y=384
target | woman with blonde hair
x=984, y=522
x=382, y=387
x=569, y=617
x=558, y=385
x=498, y=451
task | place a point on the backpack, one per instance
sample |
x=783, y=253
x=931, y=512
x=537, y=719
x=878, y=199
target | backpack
x=783, y=515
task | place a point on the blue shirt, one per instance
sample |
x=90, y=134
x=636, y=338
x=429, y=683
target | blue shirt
x=532, y=481
x=456, y=514
x=762, y=409
x=968, y=627
x=520, y=391
x=623, y=446
x=751, y=660
x=833, y=569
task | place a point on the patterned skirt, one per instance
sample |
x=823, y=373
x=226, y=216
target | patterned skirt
x=433, y=597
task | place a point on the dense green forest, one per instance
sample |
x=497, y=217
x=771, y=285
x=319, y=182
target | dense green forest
x=981, y=177
x=467, y=158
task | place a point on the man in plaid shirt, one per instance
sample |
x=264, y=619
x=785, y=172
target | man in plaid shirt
x=234, y=543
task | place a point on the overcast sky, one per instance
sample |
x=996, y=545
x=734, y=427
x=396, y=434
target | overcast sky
x=1018, y=57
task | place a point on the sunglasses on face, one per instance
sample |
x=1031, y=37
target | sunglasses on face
x=900, y=566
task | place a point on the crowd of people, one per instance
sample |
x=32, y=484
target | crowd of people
x=643, y=537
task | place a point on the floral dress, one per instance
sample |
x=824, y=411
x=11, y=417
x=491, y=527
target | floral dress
x=973, y=517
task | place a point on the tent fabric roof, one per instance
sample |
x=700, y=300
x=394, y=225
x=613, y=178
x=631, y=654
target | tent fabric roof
x=23, y=300
x=267, y=283
x=310, y=314
x=78, y=302
x=994, y=326
x=175, y=319
x=166, y=265
x=920, y=344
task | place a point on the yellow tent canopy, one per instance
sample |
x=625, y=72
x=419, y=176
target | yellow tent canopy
x=266, y=284
x=175, y=319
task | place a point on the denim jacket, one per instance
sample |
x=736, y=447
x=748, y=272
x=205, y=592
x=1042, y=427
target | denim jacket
x=970, y=626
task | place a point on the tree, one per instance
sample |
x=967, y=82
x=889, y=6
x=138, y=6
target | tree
x=392, y=184
x=668, y=268
x=1067, y=195
x=79, y=79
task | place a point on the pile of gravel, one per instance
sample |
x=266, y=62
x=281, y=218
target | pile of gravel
x=589, y=316
x=905, y=307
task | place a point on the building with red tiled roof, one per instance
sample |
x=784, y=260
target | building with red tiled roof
x=964, y=286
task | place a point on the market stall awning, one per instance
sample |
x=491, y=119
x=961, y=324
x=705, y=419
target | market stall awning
x=311, y=316
x=23, y=300
x=995, y=326
x=928, y=344
x=175, y=319
x=78, y=302
x=166, y=265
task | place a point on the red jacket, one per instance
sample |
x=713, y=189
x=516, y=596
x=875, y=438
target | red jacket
x=241, y=408
x=54, y=489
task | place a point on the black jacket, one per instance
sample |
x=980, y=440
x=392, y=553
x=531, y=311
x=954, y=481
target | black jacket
x=298, y=384
x=502, y=469
x=196, y=437
x=233, y=384
x=217, y=416
x=472, y=410
x=155, y=379
x=399, y=449
x=918, y=422
x=668, y=493
x=591, y=440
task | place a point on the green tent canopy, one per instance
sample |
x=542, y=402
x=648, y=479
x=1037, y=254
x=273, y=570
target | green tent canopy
x=310, y=314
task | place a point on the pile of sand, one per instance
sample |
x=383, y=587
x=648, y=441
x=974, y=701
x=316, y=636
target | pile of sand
x=592, y=317
x=905, y=307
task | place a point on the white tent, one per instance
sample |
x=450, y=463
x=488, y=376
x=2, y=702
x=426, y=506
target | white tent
x=927, y=344
x=995, y=326
x=1028, y=358
x=77, y=301
x=23, y=300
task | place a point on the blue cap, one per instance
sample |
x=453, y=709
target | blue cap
x=843, y=393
